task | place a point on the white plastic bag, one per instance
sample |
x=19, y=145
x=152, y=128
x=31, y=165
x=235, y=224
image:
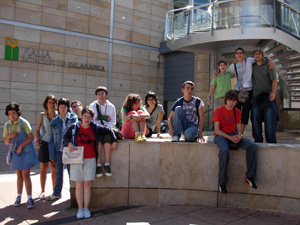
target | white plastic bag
x=74, y=157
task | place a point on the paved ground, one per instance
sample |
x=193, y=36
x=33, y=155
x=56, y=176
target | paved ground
x=59, y=212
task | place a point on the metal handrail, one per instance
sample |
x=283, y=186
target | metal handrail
x=186, y=13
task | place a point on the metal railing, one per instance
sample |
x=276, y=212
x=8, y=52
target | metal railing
x=232, y=14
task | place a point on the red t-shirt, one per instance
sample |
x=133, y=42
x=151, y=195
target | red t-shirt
x=86, y=138
x=226, y=119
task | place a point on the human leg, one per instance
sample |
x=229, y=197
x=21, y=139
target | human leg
x=191, y=132
x=246, y=108
x=223, y=158
x=59, y=174
x=270, y=120
x=179, y=122
x=257, y=116
x=79, y=192
x=53, y=173
x=251, y=156
x=27, y=181
x=87, y=192
x=43, y=175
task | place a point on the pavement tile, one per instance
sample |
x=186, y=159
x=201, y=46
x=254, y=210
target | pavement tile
x=279, y=218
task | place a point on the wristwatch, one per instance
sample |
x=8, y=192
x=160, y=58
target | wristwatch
x=130, y=116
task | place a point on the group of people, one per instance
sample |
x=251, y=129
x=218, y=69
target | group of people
x=62, y=124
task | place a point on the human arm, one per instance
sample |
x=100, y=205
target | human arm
x=51, y=144
x=112, y=116
x=145, y=114
x=201, y=124
x=274, y=88
x=8, y=138
x=211, y=92
x=158, y=122
x=24, y=143
x=170, y=123
x=37, y=131
x=215, y=74
x=236, y=138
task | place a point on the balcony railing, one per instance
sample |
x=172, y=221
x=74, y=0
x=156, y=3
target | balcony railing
x=232, y=14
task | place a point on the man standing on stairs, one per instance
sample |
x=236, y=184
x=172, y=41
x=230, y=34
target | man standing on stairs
x=263, y=105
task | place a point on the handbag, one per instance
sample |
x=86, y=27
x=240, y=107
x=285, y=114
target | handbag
x=232, y=145
x=9, y=157
x=74, y=157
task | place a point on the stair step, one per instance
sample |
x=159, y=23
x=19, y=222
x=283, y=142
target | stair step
x=290, y=74
x=296, y=59
x=290, y=68
x=296, y=90
x=293, y=79
x=276, y=49
x=294, y=85
x=268, y=44
x=284, y=54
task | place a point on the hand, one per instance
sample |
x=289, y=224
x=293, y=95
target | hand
x=201, y=138
x=71, y=147
x=271, y=64
x=136, y=117
x=39, y=145
x=272, y=96
x=114, y=146
x=208, y=101
x=215, y=74
x=19, y=150
x=12, y=135
x=235, y=139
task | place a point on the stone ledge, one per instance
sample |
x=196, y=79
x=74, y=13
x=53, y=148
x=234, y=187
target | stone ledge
x=160, y=172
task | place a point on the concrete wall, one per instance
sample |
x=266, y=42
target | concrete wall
x=165, y=173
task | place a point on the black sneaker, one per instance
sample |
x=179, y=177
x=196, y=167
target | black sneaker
x=99, y=171
x=222, y=189
x=107, y=171
x=17, y=202
x=251, y=182
x=30, y=204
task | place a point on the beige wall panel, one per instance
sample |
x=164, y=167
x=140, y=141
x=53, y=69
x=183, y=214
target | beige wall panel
x=2, y=50
x=77, y=25
x=51, y=68
x=28, y=16
x=99, y=29
x=96, y=73
x=78, y=16
x=94, y=82
x=123, y=10
x=28, y=44
x=36, y=2
x=202, y=85
x=155, y=42
x=202, y=66
x=5, y=84
x=24, y=65
x=53, y=21
x=42, y=93
x=140, y=38
x=50, y=88
x=122, y=50
x=76, y=42
x=142, y=6
x=100, y=62
x=155, y=57
x=160, y=4
x=78, y=7
x=140, y=70
x=100, y=12
x=158, y=11
x=139, y=87
x=6, y=30
x=5, y=73
x=140, y=62
x=23, y=96
x=141, y=22
x=157, y=26
x=7, y=12
x=121, y=76
x=125, y=3
x=123, y=26
x=156, y=34
x=24, y=75
x=74, y=90
x=27, y=34
x=120, y=85
x=140, y=53
x=75, y=58
x=121, y=58
x=104, y=4
x=139, y=196
x=141, y=14
x=74, y=80
x=4, y=95
x=121, y=34
x=141, y=30
x=29, y=6
x=57, y=4
x=56, y=12
x=109, y=196
x=24, y=86
x=52, y=38
x=50, y=78
x=123, y=18
x=98, y=55
x=120, y=67
x=8, y=2
x=52, y=48
x=29, y=115
x=99, y=21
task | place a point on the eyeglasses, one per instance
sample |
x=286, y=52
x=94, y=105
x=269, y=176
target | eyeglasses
x=75, y=106
x=150, y=99
x=101, y=94
x=87, y=117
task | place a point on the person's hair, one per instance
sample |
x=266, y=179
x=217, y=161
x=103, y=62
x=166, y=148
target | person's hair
x=75, y=101
x=153, y=95
x=231, y=95
x=63, y=101
x=101, y=88
x=187, y=82
x=13, y=107
x=222, y=61
x=130, y=100
x=239, y=48
x=87, y=109
x=48, y=97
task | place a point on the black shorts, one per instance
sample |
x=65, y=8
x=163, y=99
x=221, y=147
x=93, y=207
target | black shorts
x=245, y=108
x=43, y=153
x=106, y=138
x=150, y=132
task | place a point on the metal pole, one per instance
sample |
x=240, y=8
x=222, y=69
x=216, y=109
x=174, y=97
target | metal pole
x=274, y=19
x=111, y=33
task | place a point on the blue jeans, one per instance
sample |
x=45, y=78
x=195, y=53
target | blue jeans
x=182, y=126
x=264, y=111
x=59, y=174
x=251, y=157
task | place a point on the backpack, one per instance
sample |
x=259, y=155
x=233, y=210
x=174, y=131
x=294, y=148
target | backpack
x=198, y=101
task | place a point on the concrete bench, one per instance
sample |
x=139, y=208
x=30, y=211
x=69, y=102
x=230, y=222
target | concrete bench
x=160, y=172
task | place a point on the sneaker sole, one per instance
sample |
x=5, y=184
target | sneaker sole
x=249, y=183
x=30, y=207
x=99, y=175
x=108, y=174
x=17, y=205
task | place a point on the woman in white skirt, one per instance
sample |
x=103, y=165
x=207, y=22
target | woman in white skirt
x=85, y=133
x=17, y=133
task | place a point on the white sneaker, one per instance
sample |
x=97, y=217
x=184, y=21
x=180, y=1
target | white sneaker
x=175, y=139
